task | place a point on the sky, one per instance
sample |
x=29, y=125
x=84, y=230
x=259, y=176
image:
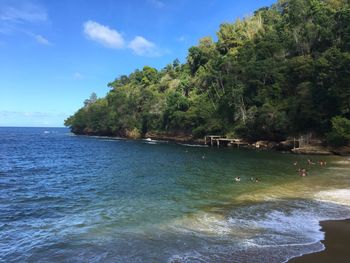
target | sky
x=54, y=54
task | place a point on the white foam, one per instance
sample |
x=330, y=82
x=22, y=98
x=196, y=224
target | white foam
x=338, y=196
x=190, y=256
x=347, y=162
x=203, y=223
x=338, y=168
x=286, y=227
x=150, y=142
x=112, y=138
x=193, y=145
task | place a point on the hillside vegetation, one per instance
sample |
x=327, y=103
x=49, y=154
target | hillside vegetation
x=283, y=71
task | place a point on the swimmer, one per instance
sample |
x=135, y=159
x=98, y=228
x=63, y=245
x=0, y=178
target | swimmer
x=322, y=163
x=238, y=179
x=256, y=180
x=302, y=172
x=310, y=162
x=295, y=163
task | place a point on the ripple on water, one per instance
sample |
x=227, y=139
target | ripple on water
x=77, y=199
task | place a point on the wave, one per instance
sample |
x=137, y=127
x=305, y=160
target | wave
x=272, y=231
x=105, y=137
x=337, y=196
x=193, y=145
x=346, y=162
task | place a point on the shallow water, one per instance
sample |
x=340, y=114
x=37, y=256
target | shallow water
x=66, y=198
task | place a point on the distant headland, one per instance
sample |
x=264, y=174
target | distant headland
x=279, y=74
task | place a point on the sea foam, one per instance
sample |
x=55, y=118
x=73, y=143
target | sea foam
x=338, y=196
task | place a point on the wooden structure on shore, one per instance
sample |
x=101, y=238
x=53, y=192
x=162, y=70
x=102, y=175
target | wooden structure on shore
x=218, y=140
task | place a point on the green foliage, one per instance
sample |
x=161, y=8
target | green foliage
x=282, y=71
x=340, y=133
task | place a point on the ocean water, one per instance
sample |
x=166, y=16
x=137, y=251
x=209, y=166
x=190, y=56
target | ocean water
x=66, y=198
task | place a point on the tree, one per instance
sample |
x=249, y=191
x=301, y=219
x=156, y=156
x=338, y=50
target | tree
x=282, y=71
x=91, y=100
x=340, y=133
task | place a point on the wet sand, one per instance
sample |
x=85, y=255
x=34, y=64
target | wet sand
x=337, y=243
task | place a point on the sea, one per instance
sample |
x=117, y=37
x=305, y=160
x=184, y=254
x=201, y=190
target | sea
x=67, y=198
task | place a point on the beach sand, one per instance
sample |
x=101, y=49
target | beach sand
x=337, y=243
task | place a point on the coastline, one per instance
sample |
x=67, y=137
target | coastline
x=183, y=138
x=336, y=243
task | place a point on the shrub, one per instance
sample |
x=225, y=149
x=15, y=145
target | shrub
x=340, y=133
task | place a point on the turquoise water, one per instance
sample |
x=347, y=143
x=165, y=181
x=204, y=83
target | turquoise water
x=66, y=198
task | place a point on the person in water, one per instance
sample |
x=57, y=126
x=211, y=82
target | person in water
x=254, y=180
x=310, y=162
x=302, y=172
x=238, y=179
x=322, y=163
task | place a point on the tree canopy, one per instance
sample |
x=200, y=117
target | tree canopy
x=283, y=71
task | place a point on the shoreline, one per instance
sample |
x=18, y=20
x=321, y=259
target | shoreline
x=259, y=145
x=335, y=242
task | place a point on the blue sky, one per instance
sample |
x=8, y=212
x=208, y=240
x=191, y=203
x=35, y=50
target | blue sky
x=54, y=54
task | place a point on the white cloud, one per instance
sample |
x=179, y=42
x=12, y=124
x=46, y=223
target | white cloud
x=17, y=17
x=77, y=76
x=103, y=35
x=181, y=38
x=156, y=3
x=23, y=13
x=41, y=40
x=143, y=47
x=111, y=38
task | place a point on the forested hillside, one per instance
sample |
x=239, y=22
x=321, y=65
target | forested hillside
x=283, y=71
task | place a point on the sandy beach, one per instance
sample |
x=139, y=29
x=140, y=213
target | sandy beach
x=337, y=244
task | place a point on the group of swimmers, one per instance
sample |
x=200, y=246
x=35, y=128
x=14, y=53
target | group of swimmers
x=303, y=172
x=252, y=179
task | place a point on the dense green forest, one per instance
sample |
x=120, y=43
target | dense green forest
x=283, y=71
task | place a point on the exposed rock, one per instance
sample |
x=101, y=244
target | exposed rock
x=345, y=150
x=265, y=144
x=173, y=136
x=133, y=134
x=285, y=145
x=272, y=145
x=261, y=144
x=312, y=149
